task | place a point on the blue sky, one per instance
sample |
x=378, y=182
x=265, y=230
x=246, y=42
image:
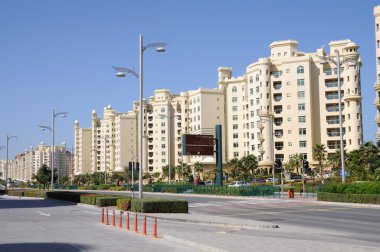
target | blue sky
x=58, y=54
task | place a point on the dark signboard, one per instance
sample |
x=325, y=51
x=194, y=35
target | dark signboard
x=198, y=145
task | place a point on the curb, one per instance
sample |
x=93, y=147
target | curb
x=359, y=205
x=259, y=226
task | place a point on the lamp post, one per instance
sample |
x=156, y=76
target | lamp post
x=6, y=164
x=42, y=127
x=338, y=63
x=121, y=72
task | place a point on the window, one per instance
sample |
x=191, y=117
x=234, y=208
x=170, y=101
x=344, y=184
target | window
x=236, y=145
x=302, y=144
x=235, y=126
x=234, y=99
x=288, y=83
x=234, y=89
x=236, y=154
x=162, y=110
x=301, y=94
x=257, y=100
x=300, y=70
x=301, y=106
x=302, y=131
x=252, y=125
x=301, y=82
x=235, y=135
x=234, y=108
x=163, y=139
x=287, y=94
x=302, y=119
x=163, y=146
x=251, y=91
x=251, y=80
x=289, y=107
x=377, y=27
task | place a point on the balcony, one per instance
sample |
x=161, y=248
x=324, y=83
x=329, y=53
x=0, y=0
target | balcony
x=277, y=109
x=261, y=138
x=278, y=121
x=261, y=150
x=377, y=86
x=278, y=133
x=279, y=145
x=277, y=85
x=260, y=125
x=332, y=83
x=277, y=97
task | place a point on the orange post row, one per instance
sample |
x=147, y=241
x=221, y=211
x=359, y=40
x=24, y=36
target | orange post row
x=155, y=228
x=136, y=223
x=121, y=219
x=127, y=221
x=144, y=225
x=113, y=218
x=102, y=217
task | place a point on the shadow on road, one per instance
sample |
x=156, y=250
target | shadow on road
x=43, y=247
x=16, y=202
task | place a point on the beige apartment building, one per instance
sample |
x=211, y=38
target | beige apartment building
x=286, y=103
x=26, y=164
x=282, y=105
x=376, y=12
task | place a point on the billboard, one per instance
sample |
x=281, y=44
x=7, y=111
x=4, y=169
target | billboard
x=198, y=145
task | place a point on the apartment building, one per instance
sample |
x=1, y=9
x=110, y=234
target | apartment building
x=109, y=144
x=376, y=12
x=26, y=164
x=288, y=102
x=282, y=105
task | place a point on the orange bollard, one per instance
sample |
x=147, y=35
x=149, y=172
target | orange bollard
x=113, y=218
x=107, y=220
x=136, y=228
x=102, y=218
x=121, y=219
x=155, y=228
x=144, y=225
x=127, y=221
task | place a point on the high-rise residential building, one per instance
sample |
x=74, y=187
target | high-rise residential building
x=376, y=12
x=282, y=105
x=286, y=103
x=26, y=164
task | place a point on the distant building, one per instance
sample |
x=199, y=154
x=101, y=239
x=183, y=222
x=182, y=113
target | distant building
x=376, y=12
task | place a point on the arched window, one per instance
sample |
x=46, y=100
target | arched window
x=251, y=80
x=234, y=89
x=162, y=110
x=300, y=70
x=257, y=77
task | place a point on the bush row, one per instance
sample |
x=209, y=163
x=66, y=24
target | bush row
x=349, y=198
x=159, y=206
x=353, y=188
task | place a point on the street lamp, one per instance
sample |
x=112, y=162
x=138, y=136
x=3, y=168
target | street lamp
x=121, y=72
x=6, y=164
x=338, y=63
x=42, y=127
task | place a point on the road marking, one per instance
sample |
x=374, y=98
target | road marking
x=77, y=247
x=90, y=212
x=43, y=214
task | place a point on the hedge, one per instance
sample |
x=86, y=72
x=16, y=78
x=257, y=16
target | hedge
x=17, y=193
x=65, y=196
x=349, y=198
x=90, y=199
x=353, y=188
x=35, y=194
x=159, y=206
x=124, y=204
x=106, y=201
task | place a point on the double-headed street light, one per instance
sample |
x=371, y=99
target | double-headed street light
x=42, y=127
x=6, y=164
x=121, y=72
x=338, y=63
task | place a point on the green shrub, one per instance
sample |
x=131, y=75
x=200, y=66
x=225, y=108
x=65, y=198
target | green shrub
x=35, y=194
x=17, y=193
x=349, y=198
x=353, y=188
x=106, y=201
x=124, y=204
x=117, y=188
x=159, y=206
x=65, y=196
x=165, y=189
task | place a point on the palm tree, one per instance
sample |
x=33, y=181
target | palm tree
x=295, y=161
x=249, y=164
x=234, y=167
x=198, y=168
x=319, y=154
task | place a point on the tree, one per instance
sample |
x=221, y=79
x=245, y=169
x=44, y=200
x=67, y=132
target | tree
x=295, y=161
x=165, y=172
x=43, y=175
x=186, y=171
x=249, y=164
x=319, y=154
x=234, y=167
x=198, y=168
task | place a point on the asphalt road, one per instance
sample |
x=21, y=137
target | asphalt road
x=344, y=220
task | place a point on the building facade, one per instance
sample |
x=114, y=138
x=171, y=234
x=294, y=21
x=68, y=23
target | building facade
x=376, y=12
x=282, y=105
